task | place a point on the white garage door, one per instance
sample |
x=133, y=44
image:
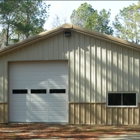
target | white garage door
x=38, y=92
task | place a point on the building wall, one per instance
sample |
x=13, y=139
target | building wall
x=98, y=113
x=95, y=67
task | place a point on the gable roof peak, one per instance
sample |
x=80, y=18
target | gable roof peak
x=67, y=26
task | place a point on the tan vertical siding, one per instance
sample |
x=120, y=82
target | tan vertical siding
x=76, y=69
x=92, y=67
x=119, y=68
x=82, y=67
x=130, y=69
x=109, y=67
x=3, y=113
x=71, y=71
x=1, y=80
x=103, y=69
x=114, y=68
x=98, y=113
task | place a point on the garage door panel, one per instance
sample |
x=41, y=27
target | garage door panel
x=39, y=116
x=20, y=98
x=38, y=74
x=38, y=67
x=15, y=79
x=19, y=104
x=58, y=99
x=58, y=109
x=58, y=118
x=55, y=76
x=57, y=113
x=38, y=99
x=19, y=116
x=57, y=85
x=37, y=84
x=19, y=84
x=18, y=108
x=18, y=74
x=58, y=104
x=38, y=104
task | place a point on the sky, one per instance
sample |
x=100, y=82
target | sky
x=65, y=8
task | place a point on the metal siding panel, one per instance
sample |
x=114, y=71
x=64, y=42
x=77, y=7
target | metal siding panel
x=30, y=52
x=99, y=113
x=136, y=116
x=55, y=51
x=125, y=69
x=76, y=63
x=103, y=113
x=130, y=116
x=6, y=113
x=82, y=113
x=114, y=68
x=60, y=46
x=119, y=69
x=93, y=83
x=82, y=71
x=13, y=55
x=71, y=113
x=24, y=54
x=114, y=116
x=45, y=49
x=119, y=116
x=40, y=50
x=87, y=67
x=139, y=113
x=71, y=71
x=76, y=114
x=2, y=113
x=92, y=111
x=103, y=46
x=87, y=113
x=51, y=49
x=130, y=70
x=5, y=79
x=136, y=72
x=109, y=68
x=98, y=72
x=18, y=56
x=1, y=80
x=125, y=117
x=66, y=44
x=109, y=116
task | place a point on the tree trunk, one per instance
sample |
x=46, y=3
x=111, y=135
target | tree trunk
x=7, y=36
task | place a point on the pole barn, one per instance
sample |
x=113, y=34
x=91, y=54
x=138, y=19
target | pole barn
x=70, y=75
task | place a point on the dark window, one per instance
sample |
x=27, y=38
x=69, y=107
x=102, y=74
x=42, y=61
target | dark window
x=19, y=91
x=38, y=91
x=122, y=99
x=57, y=91
x=114, y=99
x=129, y=99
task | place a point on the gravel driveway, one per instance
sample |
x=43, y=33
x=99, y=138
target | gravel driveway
x=43, y=131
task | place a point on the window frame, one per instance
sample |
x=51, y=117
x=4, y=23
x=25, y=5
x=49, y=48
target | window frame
x=123, y=92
